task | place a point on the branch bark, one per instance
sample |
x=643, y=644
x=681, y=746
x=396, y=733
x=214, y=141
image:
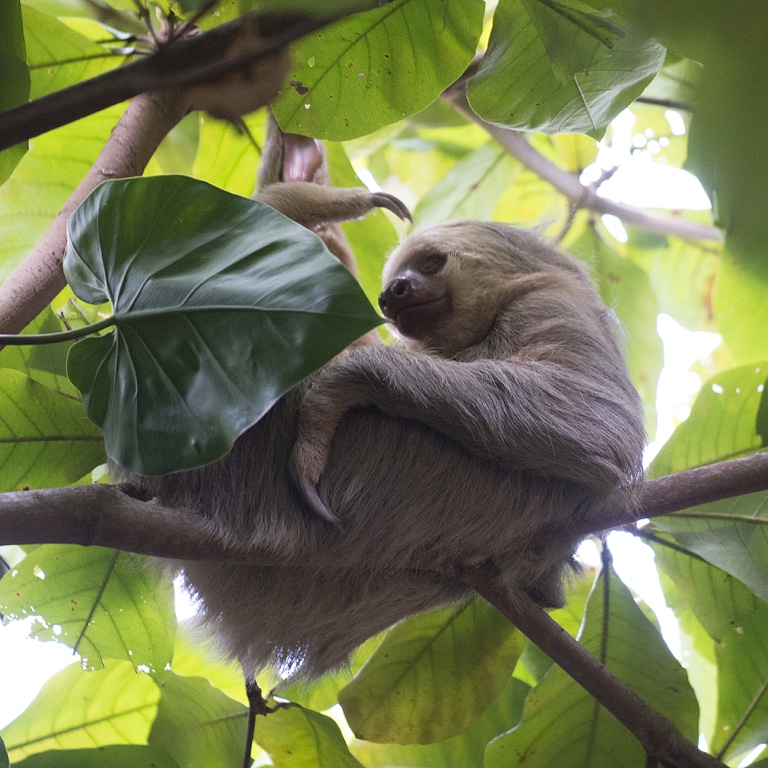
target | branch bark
x=682, y=490
x=515, y=143
x=105, y=516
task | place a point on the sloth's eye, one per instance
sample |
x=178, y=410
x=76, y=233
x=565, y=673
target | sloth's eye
x=432, y=264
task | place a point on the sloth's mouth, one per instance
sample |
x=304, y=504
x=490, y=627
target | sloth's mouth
x=418, y=320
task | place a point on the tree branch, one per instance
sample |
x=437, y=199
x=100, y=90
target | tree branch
x=682, y=490
x=515, y=143
x=105, y=516
x=200, y=59
x=660, y=738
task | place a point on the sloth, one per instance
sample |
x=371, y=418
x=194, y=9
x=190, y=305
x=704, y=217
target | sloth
x=503, y=417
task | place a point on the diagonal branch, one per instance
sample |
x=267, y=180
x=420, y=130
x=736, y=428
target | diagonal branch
x=660, y=738
x=515, y=143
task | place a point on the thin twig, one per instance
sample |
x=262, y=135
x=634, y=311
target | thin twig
x=569, y=185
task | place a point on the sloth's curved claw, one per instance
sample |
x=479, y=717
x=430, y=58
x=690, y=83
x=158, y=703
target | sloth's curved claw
x=391, y=203
x=309, y=492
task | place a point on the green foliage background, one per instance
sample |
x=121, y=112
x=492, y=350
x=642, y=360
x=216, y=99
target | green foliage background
x=457, y=686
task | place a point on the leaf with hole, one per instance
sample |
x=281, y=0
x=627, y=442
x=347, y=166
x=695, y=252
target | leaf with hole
x=102, y=603
x=374, y=68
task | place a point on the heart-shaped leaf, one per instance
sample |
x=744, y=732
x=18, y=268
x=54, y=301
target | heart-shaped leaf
x=221, y=305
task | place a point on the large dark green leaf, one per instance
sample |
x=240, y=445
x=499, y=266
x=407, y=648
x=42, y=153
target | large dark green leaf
x=558, y=68
x=220, y=305
x=377, y=67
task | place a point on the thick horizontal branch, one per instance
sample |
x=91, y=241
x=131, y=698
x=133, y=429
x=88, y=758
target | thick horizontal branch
x=659, y=737
x=103, y=515
x=682, y=490
x=515, y=143
x=199, y=59
x=713, y=482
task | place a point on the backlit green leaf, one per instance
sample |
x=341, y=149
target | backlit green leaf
x=77, y=710
x=722, y=424
x=731, y=534
x=296, y=737
x=471, y=188
x=563, y=725
x=432, y=675
x=465, y=750
x=377, y=67
x=56, y=161
x=45, y=438
x=14, y=75
x=115, y=756
x=198, y=725
x=718, y=600
x=519, y=86
x=742, y=657
x=99, y=602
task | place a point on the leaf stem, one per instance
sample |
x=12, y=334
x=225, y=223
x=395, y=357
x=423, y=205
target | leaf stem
x=53, y=338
